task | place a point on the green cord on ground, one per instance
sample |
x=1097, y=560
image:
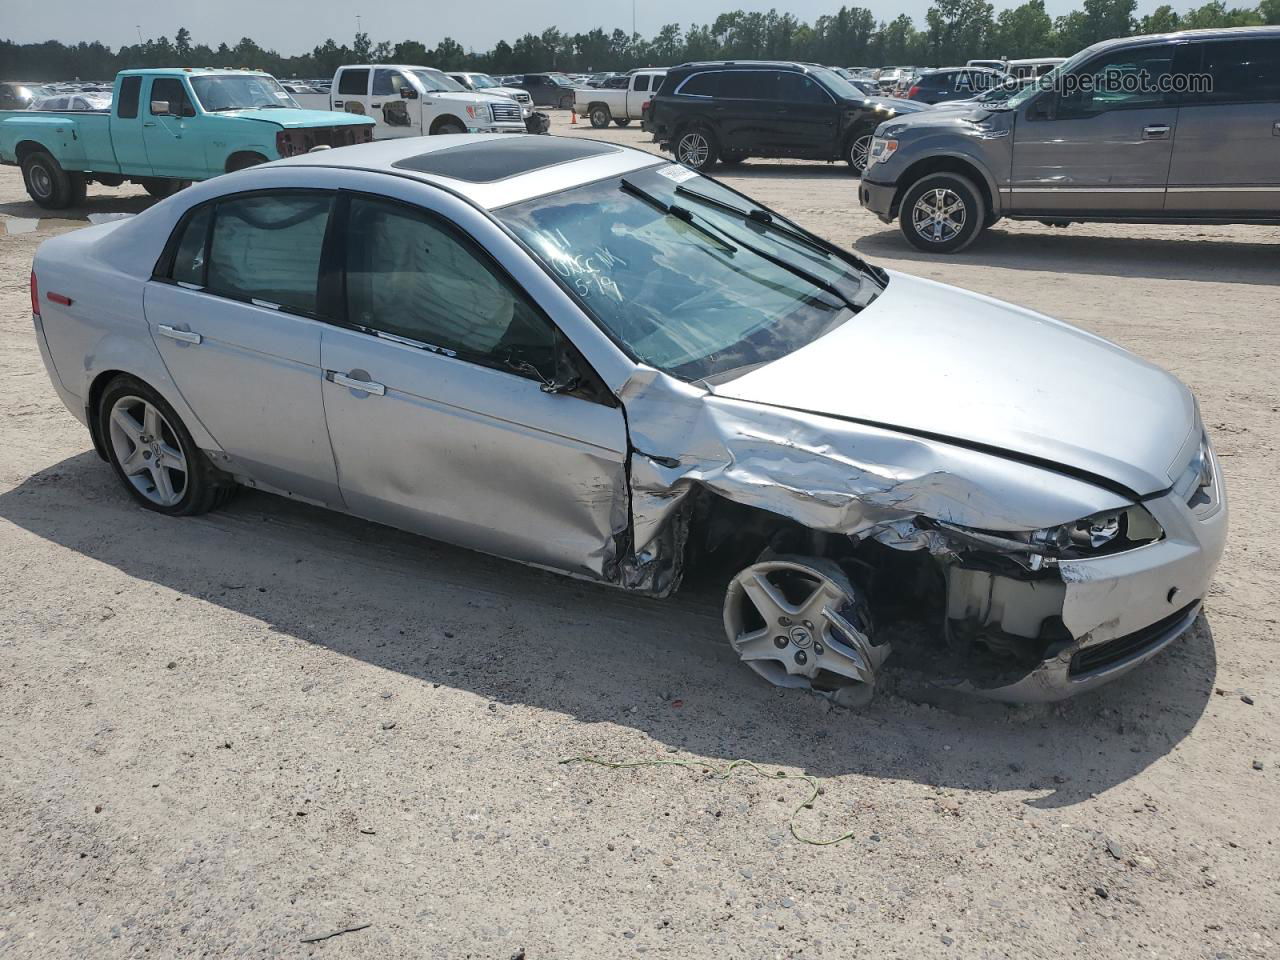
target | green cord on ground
x=725, y=773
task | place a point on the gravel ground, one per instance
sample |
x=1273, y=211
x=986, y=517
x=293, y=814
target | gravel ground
x=221, y=736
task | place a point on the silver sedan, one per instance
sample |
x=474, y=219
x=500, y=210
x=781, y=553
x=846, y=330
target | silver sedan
x=582, y=357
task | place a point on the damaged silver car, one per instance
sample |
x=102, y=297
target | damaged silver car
x=584, y=358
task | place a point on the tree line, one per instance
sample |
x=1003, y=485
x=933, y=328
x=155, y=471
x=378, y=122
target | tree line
x=954, y=31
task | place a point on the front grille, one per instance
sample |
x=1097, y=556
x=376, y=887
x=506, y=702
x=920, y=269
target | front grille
x=1124, y=648
x=506, y=112
x=523, y=97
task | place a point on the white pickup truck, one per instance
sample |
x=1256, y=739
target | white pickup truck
x=411, y=101
x=621, y=99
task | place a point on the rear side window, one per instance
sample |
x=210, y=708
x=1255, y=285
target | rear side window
x=642, y=82
x=701, y=85
x=189, y=257
x=1241, y=71
x=130, y=88
x=410, y=275
x=353, y=83
x=266, y=247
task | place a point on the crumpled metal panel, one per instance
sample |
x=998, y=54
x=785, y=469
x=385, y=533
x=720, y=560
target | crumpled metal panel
x=828, y=474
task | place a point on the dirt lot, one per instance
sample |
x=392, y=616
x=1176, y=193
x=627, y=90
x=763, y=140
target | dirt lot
x=222, y=735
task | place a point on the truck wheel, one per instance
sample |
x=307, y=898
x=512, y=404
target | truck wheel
x=942, y=213
x=858, y=150
x=622, y=123
x=242, y=161
x=47, y=183
x=79, y=189
x=161, y=187
x=599, y=115
x=696, y=148
x=449, y=126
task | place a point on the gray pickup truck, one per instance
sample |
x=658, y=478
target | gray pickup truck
x=1173, y=128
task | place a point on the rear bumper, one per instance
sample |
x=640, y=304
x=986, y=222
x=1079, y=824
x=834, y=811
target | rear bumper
x=878, y=198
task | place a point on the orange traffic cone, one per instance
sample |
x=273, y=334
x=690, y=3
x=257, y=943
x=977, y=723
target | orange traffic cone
x=573, y=116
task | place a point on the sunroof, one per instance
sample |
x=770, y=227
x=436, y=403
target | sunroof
x=490, y=160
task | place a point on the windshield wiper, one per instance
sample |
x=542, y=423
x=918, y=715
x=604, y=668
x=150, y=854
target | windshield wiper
x=677, y=211
x=757, y=215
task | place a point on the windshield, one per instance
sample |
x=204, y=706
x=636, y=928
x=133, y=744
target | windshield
x=696, y=291
x=1048, y=81
x=561, y=79
x=482, y=81
x=837, y=84
x=436, y=82
x=240, y=92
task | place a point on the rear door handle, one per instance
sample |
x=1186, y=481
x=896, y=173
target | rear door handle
x=337, y=103
x=184, y=336
x=364, y=386
x=1157, y=131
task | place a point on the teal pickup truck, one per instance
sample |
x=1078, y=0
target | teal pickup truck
x=166, y=128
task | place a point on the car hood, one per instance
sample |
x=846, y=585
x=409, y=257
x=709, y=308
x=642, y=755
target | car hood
x=290, y=118
x=895, y=104
x=469, y=96
x=931, y=359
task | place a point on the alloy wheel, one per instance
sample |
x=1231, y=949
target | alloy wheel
x=860, y=152
x=693, y=149
x=148, y=451
x=939, y=215
x=800, y=623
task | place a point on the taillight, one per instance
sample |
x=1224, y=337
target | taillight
x=284, y=144
x=35, y=295
x=913, y=91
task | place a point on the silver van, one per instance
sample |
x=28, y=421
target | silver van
x=1173, y=128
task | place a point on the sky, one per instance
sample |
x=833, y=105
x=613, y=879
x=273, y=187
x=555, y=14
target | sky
x=295, y=26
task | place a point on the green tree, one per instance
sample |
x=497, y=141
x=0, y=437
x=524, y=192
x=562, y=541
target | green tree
x=1025, y=31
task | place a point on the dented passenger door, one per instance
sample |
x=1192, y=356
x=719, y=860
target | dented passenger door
x=450, y=410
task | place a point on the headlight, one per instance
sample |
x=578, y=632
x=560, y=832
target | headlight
x=1100, y=533
x=479, y=111
x=882, y=150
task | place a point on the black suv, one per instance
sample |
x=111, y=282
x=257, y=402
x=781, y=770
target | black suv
x=732, y=110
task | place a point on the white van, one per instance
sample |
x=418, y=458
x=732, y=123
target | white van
x=410, y=101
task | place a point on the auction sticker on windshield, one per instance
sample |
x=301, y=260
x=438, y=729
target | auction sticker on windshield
x=677, y=173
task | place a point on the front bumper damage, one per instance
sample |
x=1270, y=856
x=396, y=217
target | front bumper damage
x=1068, y=625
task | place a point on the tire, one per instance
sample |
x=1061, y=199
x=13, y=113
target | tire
x=599, y=116
x=244, y=160
x=857, y=150
x=622, y=123
x=161, y=187
x=79, y=189
x=47, y=183
x=696, y=148
x=732, y=159
x=936, y=192
x=136, y=455
x=447, y=127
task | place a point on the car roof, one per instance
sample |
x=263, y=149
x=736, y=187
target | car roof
x=202, y=71
x=490, y=170
x=1208, y=33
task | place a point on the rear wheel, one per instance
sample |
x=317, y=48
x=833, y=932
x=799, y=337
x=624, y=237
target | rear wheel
x=696, y=148
x=599, y=116
x=622, y=123
x=47, y=183
x=161, y=187
x=153, y=453
x=942, y=213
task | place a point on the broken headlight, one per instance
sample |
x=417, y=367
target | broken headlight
x=1106, y=532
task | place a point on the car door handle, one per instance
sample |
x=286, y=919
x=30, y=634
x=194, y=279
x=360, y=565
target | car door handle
x=364, y=386
x=148, y=123
x=337, y=103
x=173, y=333
x=1157, y=131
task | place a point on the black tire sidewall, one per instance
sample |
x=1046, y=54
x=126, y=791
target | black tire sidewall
x=975, y=212
x=448, y=127
x=621, y=123
x=599, y=117
x=200, y=493
x=60, y=194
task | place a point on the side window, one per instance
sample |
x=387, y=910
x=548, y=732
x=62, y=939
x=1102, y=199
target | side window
x=747, y=85
x=130, y=88
x=1240, y=71
x=189, y=256
x=387, y=83
x=799, y=88
x=616, y=83
x=353, y=83
x=267, y=247
x=641, y=83
x=410, y=275
x=171, y=91
x=1124, y=80
x=701, y=85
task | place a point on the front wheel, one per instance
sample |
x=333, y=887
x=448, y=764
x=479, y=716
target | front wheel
x=450, y=126
x=599, y=116
x=161, y=187
x=696, y=148
x=858, y=152
x=47, y=183
x=153, y=453
x=942, y=213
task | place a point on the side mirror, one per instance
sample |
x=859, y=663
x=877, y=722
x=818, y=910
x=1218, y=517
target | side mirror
x=160, y=108
x=408, y=93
